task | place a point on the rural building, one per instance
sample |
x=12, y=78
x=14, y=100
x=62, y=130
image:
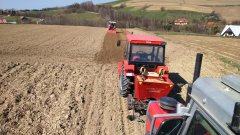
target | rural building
x=2, y=21
x=209, y=24
x=181, y=21
x=24, y=19
x=231, y=30
x=40, y=21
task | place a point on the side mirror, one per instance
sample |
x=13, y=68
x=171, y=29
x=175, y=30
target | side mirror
x=118, y=43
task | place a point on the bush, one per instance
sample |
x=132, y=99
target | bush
x=236, y=22
x=123, y=5
x=145, y=7
x=162, y=9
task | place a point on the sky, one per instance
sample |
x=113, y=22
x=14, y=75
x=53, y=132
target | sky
x=39, y=4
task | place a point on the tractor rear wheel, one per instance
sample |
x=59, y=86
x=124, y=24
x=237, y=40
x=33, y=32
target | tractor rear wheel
x=123, y=84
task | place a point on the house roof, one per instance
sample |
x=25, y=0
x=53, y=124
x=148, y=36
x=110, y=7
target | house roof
x=235, y=29
x=210, y=23
x=111, y=22
x=3, y=21
x=144, y=39
x=181, y=20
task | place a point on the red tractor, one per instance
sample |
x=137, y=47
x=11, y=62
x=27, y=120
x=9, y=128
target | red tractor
x=143, y=75
x=112, y=27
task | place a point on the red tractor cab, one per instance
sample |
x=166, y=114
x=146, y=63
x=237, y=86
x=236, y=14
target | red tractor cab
x=143, y=75
x=112, y=27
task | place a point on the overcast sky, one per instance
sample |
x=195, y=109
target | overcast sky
x=39, y=4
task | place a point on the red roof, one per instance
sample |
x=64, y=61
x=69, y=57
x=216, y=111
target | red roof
x=181, y=20
x=144, y=39
x=210, y=23
x=3, y=21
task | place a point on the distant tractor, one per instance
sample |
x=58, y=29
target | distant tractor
x=112, y=27
x=212, y=108
x=143, y=75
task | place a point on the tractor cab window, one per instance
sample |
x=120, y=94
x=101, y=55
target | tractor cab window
x=200, y=126
x=146, y=54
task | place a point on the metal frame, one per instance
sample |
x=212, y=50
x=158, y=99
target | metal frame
x=195, y=107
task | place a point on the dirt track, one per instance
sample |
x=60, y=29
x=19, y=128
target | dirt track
x=63, y=79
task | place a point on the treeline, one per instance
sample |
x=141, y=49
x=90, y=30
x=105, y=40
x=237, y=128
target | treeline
x=124, y=20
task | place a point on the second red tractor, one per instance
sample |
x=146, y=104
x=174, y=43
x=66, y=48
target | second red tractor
x=143, y=75
x=112, y=27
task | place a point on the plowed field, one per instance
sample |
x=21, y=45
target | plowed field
x=63, y=80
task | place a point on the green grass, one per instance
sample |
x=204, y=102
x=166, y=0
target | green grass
x=231, y=63
x=12, y=18
x=47, y=12
x=83, y=16
x=89, y=16
x=76, y=16
x=183, y=33
x=163, y=15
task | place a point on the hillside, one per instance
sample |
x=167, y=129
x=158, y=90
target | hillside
x=127, y=16
x=226, y=9
x=57, y=17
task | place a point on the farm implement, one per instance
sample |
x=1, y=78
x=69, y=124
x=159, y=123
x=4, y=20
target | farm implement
x=143, y=75
x=212, y=106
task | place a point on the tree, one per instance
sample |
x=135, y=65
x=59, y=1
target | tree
x=163, y=9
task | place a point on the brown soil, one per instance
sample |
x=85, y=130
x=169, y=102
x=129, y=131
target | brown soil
x=52, y=83
x=110, y=53
x=63, y=80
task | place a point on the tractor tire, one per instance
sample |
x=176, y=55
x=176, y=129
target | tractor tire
x=123, y=84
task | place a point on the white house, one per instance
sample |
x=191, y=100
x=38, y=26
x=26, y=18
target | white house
x=231, y=30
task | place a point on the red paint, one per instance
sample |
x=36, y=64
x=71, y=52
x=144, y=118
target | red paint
x=181, y=20
x=151, y=86
x=210, y=23
x=144, y=39
x=127, y=67
x=3, y=21
x=145, y=90
x=154, y=108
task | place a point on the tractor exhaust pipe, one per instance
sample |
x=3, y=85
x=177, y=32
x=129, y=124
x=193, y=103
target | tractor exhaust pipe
x=198, y=65
x=197, y=72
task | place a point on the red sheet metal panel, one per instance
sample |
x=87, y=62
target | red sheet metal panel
x=154, y=108
x=144, y=39
x=151, y=87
